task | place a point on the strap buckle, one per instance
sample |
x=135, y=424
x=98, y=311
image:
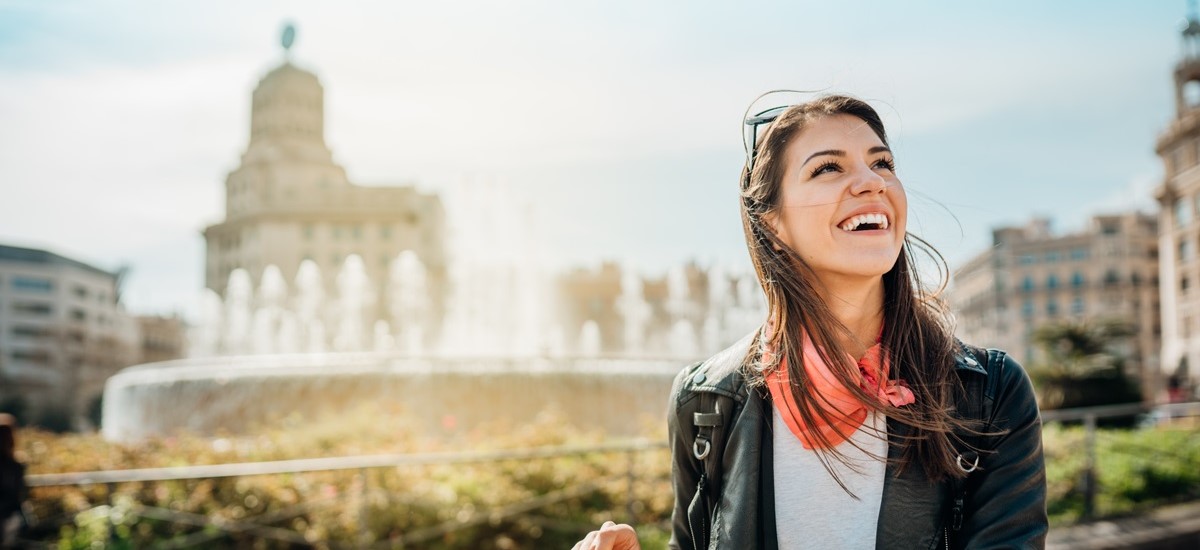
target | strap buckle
x=974, y=465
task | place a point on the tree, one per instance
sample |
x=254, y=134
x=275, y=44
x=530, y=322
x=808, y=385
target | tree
x=1080, y=365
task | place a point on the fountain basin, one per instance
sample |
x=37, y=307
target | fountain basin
x=438, y=394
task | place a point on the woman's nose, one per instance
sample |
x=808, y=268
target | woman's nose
x=867, y=181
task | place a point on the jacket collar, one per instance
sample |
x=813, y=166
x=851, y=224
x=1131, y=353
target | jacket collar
x=723, y=373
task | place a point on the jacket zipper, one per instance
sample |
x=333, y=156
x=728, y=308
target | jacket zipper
x=946, y=536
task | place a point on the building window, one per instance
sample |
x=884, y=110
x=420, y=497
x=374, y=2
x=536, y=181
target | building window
x=1027, y=259
x=30, y=332
x=1111, y=277
x=78, y=315
x=1052, y=308
x=1183, y=212
x=30, y=308
x=1027, y=284
x=1077, y=280
x=1052, y=281
x=1052, y=256
x=1079, y=253
x=32, y=284
x=80, y=292
x=35, y=356
x=1109, y=228
x=1027, y=309
x=1185, y=250
x=1077, y=305
x=1135, y=279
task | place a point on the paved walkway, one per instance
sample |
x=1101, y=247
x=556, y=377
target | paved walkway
x=1167, y=528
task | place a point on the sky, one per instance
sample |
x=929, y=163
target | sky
x=618, y=121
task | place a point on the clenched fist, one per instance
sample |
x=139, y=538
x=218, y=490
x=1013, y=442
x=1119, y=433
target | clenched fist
x=610, y=537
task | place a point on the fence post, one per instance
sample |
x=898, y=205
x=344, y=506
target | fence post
x=1089, y=468
x=629, y=482
x=364, y=532
x=111, y=491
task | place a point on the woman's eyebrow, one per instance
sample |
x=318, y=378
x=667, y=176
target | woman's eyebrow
x=841, y=153
x=832, y=152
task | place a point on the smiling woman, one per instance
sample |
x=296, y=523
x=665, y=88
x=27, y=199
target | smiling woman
x=852, y=418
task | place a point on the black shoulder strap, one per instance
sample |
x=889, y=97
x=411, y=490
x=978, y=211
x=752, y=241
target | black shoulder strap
x=707, y=418
x=969, y=458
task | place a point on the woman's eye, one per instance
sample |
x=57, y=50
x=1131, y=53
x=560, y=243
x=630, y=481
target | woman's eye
x=827, y=167
x=888, y=164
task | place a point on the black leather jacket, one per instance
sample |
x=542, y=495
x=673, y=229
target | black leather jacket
x=1005, y=504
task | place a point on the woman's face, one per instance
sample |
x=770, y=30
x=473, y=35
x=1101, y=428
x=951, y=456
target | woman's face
x=841, y=206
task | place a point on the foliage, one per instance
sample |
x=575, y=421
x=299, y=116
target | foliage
x=1081, y=365
x=1136, y=469
x=353, y=507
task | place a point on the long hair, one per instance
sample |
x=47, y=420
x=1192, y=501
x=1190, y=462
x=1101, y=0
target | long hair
x=917, y=334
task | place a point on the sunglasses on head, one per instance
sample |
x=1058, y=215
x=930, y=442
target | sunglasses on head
x=750, y=133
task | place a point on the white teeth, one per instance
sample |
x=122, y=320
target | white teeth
x=862, y=219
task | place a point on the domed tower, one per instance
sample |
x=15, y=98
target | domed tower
x=288, y=113
x=288, y=202
x=1179, y=218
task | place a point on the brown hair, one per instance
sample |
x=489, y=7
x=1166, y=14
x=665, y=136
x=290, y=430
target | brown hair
x=917, y=335
x=8, y=443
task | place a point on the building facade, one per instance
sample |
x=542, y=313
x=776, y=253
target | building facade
x=162, y=338
x=1179, y=196
x=288, y=202
x=63, y=332
x=1031, y=277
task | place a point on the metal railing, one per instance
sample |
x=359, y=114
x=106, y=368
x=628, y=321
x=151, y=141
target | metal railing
x=260, y=526
x=1089, y=416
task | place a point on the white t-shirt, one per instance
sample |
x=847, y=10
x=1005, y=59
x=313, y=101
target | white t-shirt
x=811, y=509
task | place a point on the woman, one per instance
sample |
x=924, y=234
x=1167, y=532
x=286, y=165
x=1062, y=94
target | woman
x=12, y=482
x=853, y=418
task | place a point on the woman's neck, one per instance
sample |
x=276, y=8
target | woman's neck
x=859, y=306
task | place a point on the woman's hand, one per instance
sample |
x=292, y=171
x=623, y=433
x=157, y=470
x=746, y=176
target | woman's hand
x=610, y=537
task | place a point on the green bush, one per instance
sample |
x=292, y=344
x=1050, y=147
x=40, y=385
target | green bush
x=351, y=507
x=1137, y=469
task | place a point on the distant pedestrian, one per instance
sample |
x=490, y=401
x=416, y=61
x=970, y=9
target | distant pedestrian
x=12, y=483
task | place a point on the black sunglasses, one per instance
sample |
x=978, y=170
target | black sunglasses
x=750, y=133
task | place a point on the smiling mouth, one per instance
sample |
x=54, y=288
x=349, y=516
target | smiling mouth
x=865, y=222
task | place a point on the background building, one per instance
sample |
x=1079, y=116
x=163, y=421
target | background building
x=288, y=201
x=1179, y=195
x=63, y=332
x=162, y=338
x=1031, y=277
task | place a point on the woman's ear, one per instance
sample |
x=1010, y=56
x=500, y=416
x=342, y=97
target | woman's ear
x=772, y=222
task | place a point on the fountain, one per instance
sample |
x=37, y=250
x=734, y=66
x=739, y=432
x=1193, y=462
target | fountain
x=268, y=361
x=490, y=335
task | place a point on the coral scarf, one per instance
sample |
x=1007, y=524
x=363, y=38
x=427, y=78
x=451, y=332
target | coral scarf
x=846, y=412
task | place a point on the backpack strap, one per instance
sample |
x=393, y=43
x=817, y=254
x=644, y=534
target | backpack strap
x=968, y=458
x=707, y=413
